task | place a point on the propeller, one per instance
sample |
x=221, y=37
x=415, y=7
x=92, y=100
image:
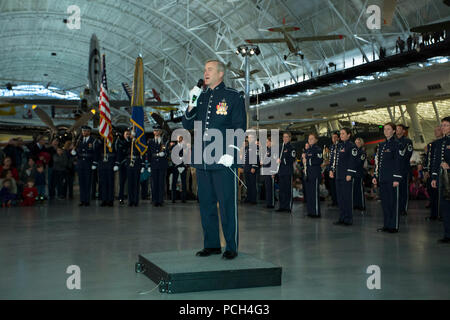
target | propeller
x=161, y=122
x=84, y=118
x=45, y=118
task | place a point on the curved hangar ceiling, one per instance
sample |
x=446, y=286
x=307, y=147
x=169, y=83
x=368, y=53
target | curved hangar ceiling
x=41, y=43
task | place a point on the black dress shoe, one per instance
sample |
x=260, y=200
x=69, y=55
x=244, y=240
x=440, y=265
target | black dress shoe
x=103, y=204
x=121, y=202
x=338, y=223
x=229, y=255
x=270, y=207
x=87, y=204
x=431, y=218
x=444, y=240
x=110, y=204
x=392, y=230
x=382, y=229
x=81, y=204
x=208, y=251
x=348, y=223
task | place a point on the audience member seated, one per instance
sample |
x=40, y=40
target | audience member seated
x=7, y=197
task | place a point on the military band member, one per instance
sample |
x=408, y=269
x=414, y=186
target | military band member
x=251, y=170
x=406, y=147
x=286, y=162
x=134, y=169
x=440, y=175
x=434, y=194
x=85, y=164
x=221, y=108
x=268, y=175
x=122, y=147
x=106, y=160
x=388, y=162
x=313, y=159
x=359, y=200
x=180, y=170
x=158, y=148
x=345, y=168
x=332, y=167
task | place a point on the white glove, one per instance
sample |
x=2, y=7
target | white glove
x=73, y=152
x=93, y=167
x=180, y=169
x=142, y=170
x=149, y=170
x=193, y=96
x=116, y=168
x=161, y=154
x=226, y=160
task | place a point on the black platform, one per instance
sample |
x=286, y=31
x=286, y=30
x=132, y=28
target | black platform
x=182, y=271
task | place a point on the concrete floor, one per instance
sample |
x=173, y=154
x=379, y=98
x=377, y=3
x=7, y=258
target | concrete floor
x=319, y=260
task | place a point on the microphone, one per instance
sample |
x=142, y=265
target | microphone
x=197, y=92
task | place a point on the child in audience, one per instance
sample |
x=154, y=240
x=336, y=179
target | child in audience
x=40, y=181
x=29, y=194
x=7, y=197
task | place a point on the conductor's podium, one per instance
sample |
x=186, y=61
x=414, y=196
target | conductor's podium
x=182, y=271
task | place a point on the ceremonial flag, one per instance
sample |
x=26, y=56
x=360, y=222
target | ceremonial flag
x=105, y=128
x=137, y=105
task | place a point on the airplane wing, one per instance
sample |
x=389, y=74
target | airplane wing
x=320, y=38
x=76, y=103
x=285, y=29
x=273, y=40
x=435, y=27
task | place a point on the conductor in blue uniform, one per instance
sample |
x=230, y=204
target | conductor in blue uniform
x=406, y=147
x=85, y=164
x=388, y=162
x=312, y=159
x=440, y=175
x=217, y=107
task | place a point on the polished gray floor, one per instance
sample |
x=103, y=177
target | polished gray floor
x=319, y=260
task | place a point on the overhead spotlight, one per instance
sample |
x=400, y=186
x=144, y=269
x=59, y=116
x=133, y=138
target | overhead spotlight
x=238, y=51
x=243, y=50
x=252, y=51
x=331, y=65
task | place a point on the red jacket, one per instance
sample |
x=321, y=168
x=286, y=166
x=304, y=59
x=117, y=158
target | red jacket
x=29, y=193
x=14, y=172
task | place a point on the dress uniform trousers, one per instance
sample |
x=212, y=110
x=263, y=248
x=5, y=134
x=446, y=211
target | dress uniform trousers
x=219, y=186
x=122, y=180
x=85, y=180
x=333, y=191
x=106, y=180
x=133, y=176
x=445, y=213
x=285, y=182
x=344, y=191
x=250, y=181
x=434, y=200
x=158, y=185
x=269, y=187
x=313, y=196
x=403, y=193
x=359, y=200
x=390, y=203
x=175, y=175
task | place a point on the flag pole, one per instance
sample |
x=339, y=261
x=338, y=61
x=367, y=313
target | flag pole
x=133, y=134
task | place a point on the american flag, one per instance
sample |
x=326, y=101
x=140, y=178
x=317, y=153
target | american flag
x=105, y=112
